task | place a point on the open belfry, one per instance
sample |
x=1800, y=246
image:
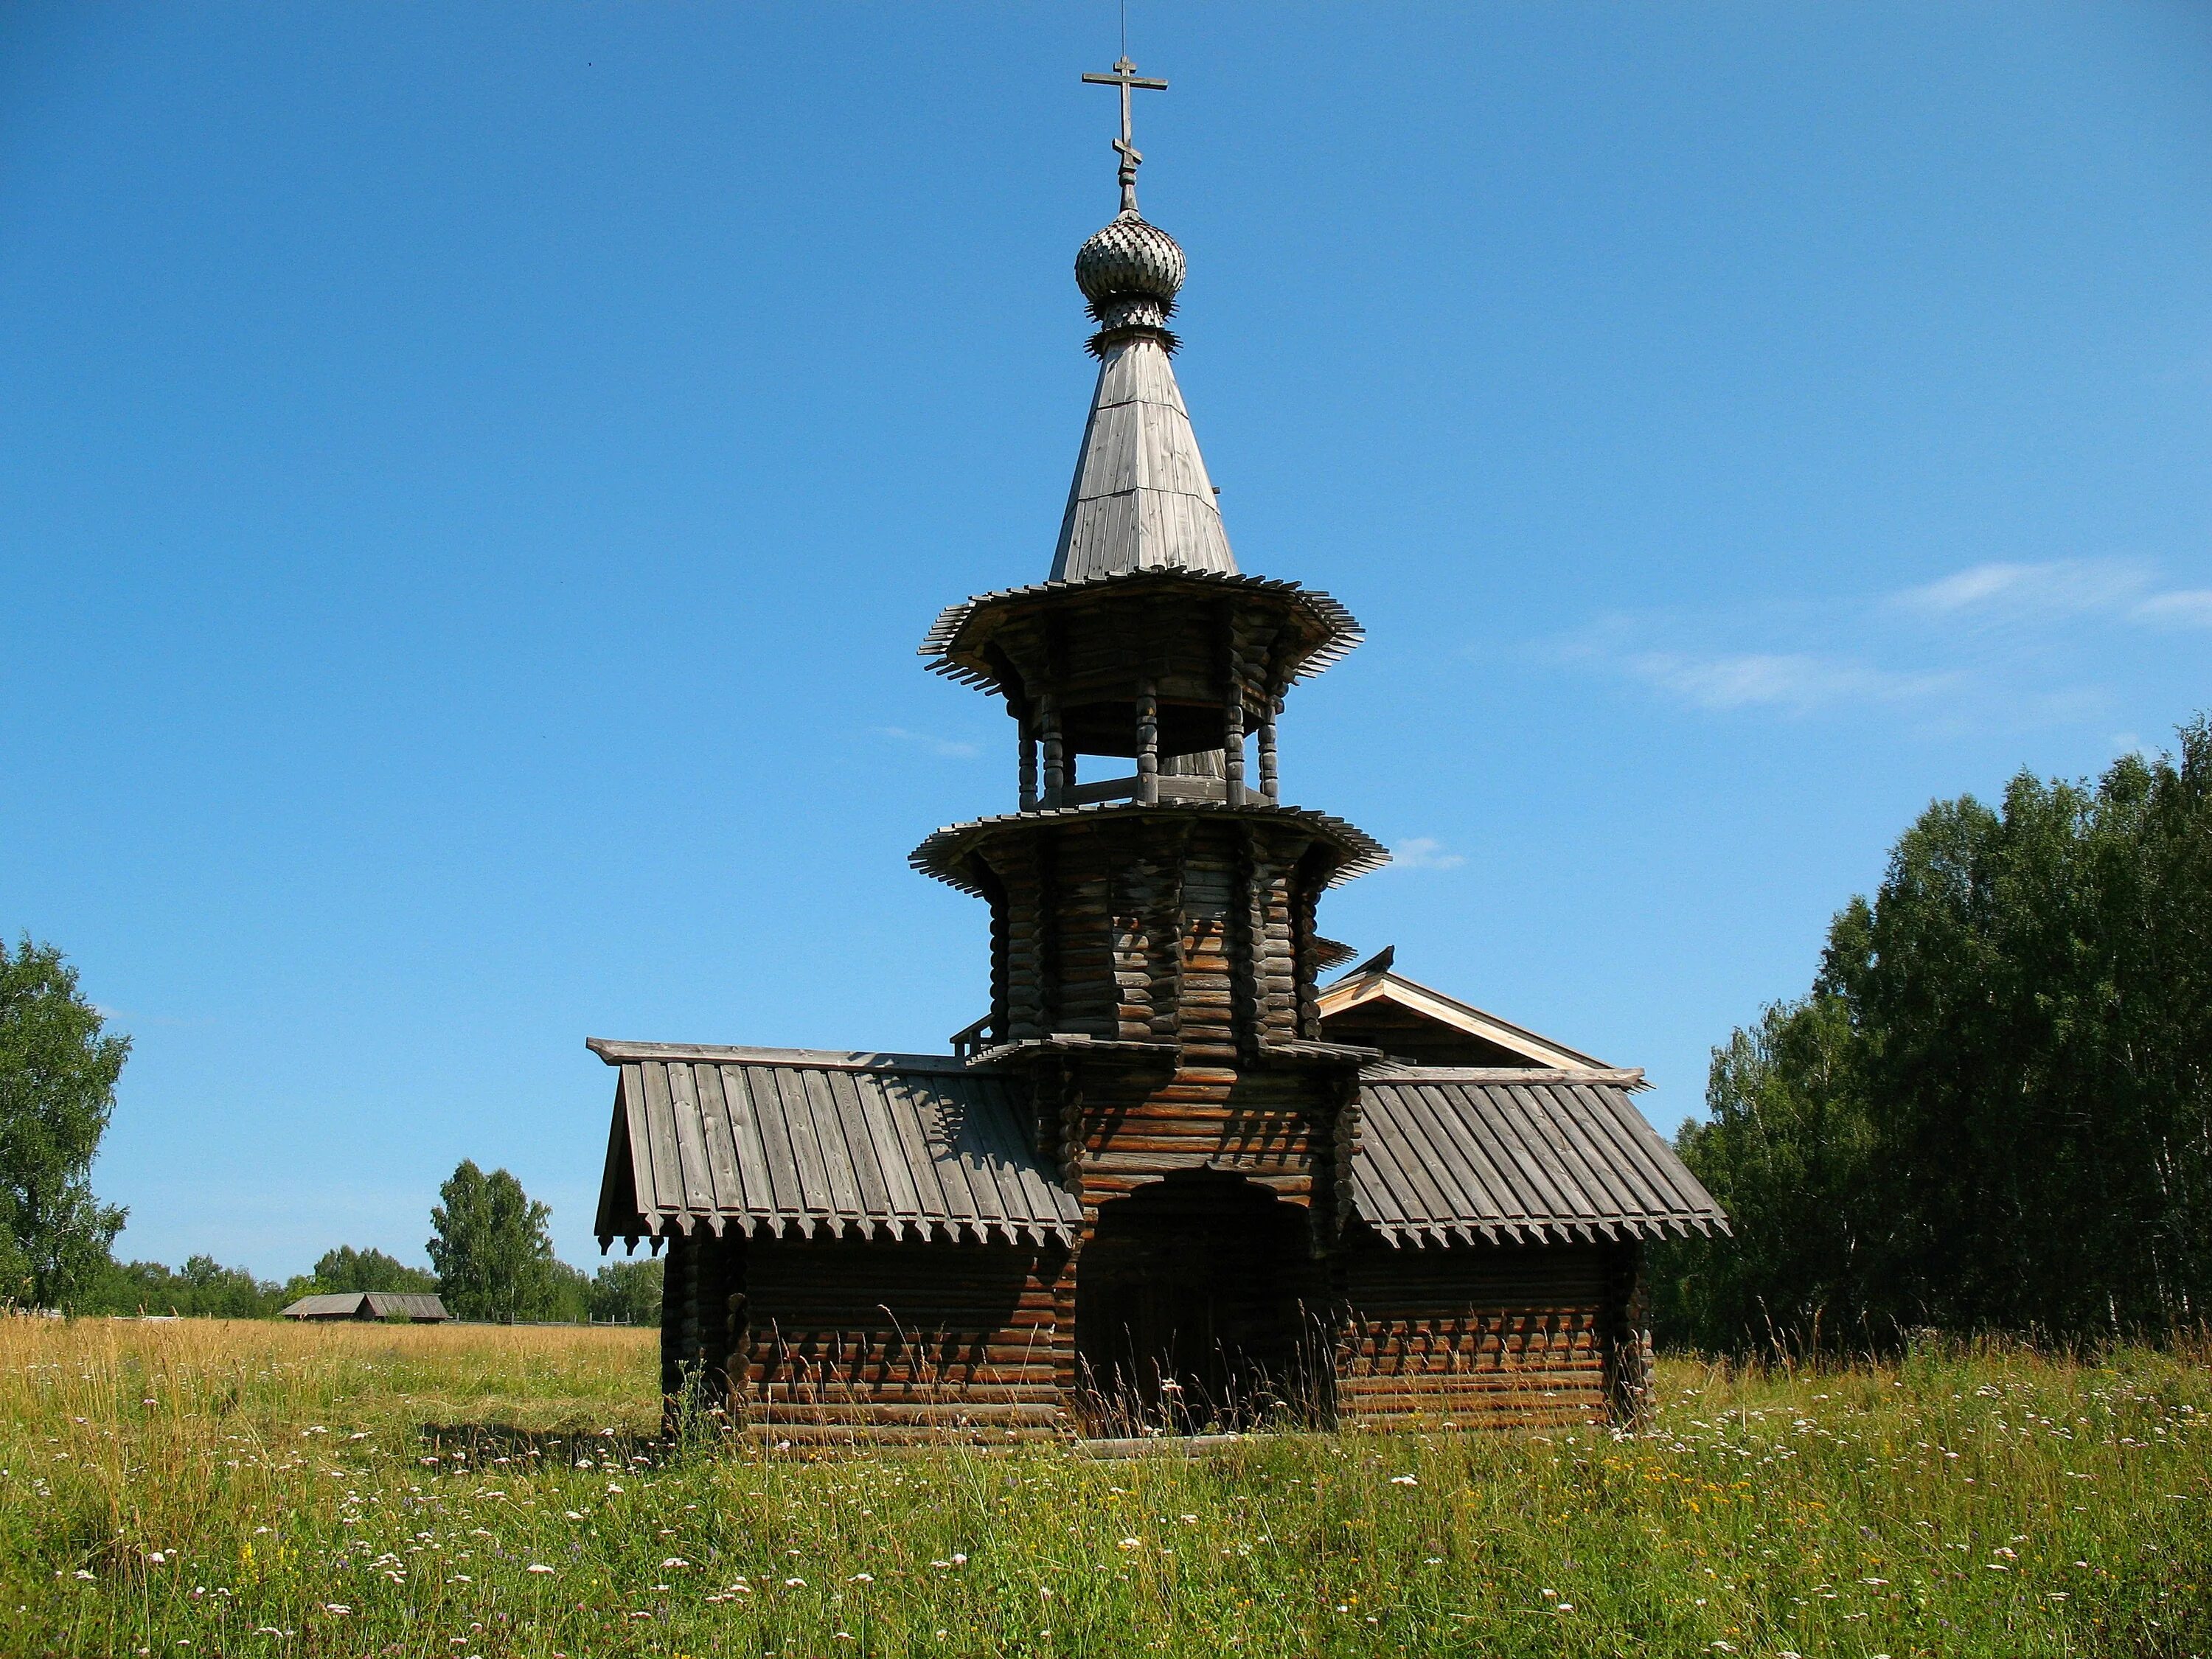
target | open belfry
x=1167, y=1183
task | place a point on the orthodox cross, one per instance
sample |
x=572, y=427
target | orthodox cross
x=1125, y=76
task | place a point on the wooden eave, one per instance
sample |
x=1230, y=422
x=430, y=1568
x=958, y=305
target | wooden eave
x=799, y=1143
x=961, y=639
x=1466, y=1155
x=1360, y=989
x=945, y=853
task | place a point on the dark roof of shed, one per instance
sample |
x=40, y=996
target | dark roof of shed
x=1454, y=1153
x=795, y=1141
x=417, y=1305
x=381, y=1304
x=345, y=1304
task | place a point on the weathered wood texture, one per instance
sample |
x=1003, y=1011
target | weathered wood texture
x=1485, y=1335
x=845, y=1337
x=1199, y=1305
x=1153, y=926
x=1273, y=1128
x=906, y=1145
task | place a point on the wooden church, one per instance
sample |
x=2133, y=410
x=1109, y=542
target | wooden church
x=1167, y=1183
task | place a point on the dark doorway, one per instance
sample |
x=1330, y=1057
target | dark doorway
x=1195, y=1306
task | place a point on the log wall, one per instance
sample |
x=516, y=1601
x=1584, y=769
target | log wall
x=833, y=1341
x=1495, y=1334
x=847, y=1339
x=1154, y=929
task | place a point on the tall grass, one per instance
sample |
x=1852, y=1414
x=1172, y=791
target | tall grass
x=206, y=1487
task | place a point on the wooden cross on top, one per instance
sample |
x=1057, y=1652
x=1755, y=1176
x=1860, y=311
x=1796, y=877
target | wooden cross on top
x=1125, y=76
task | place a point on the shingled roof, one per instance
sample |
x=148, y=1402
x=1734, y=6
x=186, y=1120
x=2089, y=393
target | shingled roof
x=807, y=1142
x=1451, y=1154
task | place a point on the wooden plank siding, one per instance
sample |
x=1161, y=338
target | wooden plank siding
x=847, y=1339
x=1486, y=1335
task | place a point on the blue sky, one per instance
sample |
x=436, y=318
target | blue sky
x=472, y=480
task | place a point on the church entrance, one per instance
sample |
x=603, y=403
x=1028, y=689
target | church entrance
x=1197, y=1307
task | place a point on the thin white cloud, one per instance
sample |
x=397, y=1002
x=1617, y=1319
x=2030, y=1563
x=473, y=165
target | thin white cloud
x=1424, y=852
x=2009, y=643
x=2183, y=607
x=2052, y=591
x=943, y=748
x=2057, y=590
x=1799, y=681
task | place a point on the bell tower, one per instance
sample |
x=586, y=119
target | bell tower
x=1153, y=951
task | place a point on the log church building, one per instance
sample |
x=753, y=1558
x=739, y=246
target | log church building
x=1168, y=1183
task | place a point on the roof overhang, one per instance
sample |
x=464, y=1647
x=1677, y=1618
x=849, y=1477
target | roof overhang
x=959, y=640
x=1363, y=988
x=945, y=852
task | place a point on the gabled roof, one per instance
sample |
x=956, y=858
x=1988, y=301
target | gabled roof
x=1375, y=988
x=370, y=1304
x=341, y=1305
x=1141, y=498
x=785, y=1141
x=1456, y=1153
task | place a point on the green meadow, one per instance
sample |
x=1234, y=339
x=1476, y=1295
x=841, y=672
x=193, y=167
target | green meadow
x=209, y=1487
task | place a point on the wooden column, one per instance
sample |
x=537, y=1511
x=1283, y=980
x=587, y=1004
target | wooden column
x=1029, y=767
x=1233, y=724
x=1148, y=743
x=1270, y=789
x=1055, y=762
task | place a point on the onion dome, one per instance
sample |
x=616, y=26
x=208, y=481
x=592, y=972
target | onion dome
x=1130, y=272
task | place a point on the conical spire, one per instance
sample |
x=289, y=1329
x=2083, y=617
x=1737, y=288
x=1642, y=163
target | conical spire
x=1141, y=499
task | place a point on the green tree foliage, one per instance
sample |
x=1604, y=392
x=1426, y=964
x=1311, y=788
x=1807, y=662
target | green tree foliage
x=1994, y=1110
x=57, y=1074
x=628, y=1290
x=346, y=1269
x=494, y=1256
x=204, y=1287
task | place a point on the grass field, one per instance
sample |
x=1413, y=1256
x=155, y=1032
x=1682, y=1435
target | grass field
x=206, y=1487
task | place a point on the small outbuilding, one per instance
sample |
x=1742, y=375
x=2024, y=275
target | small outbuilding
x=408, y=1307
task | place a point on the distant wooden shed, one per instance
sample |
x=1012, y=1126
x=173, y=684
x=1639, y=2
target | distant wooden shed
x=410, y=1306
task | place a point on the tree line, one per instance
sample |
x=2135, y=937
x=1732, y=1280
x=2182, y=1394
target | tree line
x=491, y=1253
x=1992, y=1110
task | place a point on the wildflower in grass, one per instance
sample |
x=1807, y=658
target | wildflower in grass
x=1133, y=1543
x=537, y=1566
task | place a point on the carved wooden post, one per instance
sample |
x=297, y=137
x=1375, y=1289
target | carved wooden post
x=1232, y=737
x=1269, y=787
x=1148, y=743
x=1055, y=762
x=1028, y=772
